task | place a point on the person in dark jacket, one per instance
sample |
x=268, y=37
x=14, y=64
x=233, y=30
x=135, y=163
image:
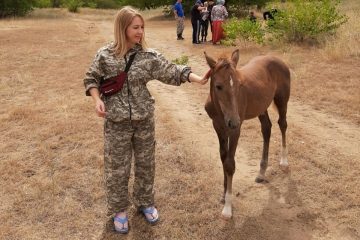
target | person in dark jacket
x=196, y=21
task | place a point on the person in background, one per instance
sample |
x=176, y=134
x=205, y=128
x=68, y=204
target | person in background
x=196, y=21
x=128, y=112
x=180, y=17
x=204, y=22
x=270, y=14
x=252, y=17
x=209, y=8
x=218, y=15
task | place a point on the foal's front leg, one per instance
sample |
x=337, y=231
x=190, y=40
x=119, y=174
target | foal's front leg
x=229, y=170
x=224, y=149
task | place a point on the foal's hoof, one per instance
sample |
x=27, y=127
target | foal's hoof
x=260, y=180
x=226, y=217
x=226, y=212
x=284, y=167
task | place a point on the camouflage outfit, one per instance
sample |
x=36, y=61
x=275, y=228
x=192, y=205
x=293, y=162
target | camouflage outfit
x=129, y=125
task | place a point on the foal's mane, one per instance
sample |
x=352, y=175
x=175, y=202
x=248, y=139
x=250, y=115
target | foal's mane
x=223, y=62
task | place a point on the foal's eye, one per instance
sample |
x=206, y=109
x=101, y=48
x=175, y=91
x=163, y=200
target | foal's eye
x=218, y=87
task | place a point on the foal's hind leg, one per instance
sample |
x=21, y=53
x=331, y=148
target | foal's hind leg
x=266, y=132
x=281, y=105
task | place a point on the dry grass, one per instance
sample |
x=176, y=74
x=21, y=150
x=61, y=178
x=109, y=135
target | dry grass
x=347, y=41
x=51, y=148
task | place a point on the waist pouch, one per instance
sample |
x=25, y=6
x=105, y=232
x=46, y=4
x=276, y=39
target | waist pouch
x=113, y=85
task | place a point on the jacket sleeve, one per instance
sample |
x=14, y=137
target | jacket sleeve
x=226, y=14
x=93, y=75
x=167, y=72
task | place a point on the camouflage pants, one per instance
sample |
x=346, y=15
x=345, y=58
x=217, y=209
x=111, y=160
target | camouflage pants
x=122, y=141
x=180, y=26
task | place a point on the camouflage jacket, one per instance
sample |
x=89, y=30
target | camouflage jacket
x=134, y=100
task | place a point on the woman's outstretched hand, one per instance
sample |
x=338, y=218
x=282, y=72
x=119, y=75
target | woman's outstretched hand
x=197, y=79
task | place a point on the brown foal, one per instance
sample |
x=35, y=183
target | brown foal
x=240, y=94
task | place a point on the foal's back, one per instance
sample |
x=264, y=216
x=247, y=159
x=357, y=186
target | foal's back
x=263, y=78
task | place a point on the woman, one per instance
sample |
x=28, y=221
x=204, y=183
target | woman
x=218, y=15
x=129, y=113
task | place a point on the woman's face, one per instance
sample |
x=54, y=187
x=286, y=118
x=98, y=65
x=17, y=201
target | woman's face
x=135, y=31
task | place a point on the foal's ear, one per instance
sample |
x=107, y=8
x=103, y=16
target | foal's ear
x=210, y=60
x=235, y=56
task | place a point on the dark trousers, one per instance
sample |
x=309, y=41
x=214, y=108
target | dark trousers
x=204, y=29
x=196, y=30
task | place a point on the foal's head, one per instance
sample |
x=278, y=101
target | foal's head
x=224, y=87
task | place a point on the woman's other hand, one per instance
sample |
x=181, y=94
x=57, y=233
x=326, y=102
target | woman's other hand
x=99, y=104
x=100, y=108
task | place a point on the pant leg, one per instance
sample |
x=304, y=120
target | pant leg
x=202, y=22
x=206, y=27
x=194, y=27
x=198, y=25
x=144, y=167
x=196, y=30
x=180, y=26
x=117, y=164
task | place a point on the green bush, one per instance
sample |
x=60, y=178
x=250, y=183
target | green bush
x=73, y=5
x=89, y=3
x=43, y=4
x=243, y=29
x=15, y=7
x=106, y=4
x=306, y=20
x=183, y=60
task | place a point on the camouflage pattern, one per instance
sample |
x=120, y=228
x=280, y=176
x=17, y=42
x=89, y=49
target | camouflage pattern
x=148, y=65
x=122, y=140
x=129, y=125
x=180, y=26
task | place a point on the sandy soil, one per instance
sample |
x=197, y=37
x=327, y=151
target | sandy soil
x=51, y=161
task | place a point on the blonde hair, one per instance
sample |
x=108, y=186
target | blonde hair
x=123, y=20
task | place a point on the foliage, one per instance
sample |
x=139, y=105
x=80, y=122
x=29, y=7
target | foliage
x=43, y=3
x=306, y=20
x=106, y=4
x=89, y=3
x=15, y=7
x=183, y=60
x=73, y=5
x=243, y=29
x=56, y=3
x=241, y=8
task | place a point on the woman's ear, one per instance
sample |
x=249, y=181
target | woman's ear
x=210, y=61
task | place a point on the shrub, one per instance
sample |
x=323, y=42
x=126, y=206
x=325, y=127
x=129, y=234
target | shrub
x=183, y=60
x=306, y=20
x=89, y=3
x=106, y=4
x=43, y=4
x=15, y=7
x=73, y=5
x=243, y=29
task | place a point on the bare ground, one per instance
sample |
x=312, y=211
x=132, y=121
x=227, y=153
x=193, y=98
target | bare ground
x=51, y=147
